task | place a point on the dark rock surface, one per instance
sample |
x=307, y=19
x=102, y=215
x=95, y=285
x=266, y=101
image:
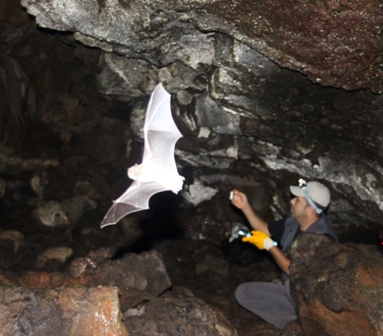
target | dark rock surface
x=213, y=275
x=337, y=287
x=335, y=44
x=246, y=121
x=177, y=313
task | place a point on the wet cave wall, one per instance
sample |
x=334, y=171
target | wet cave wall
x=263, y=94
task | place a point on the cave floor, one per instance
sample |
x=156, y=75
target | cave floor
x=213, y=274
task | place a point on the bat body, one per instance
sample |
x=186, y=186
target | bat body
x=158, y=170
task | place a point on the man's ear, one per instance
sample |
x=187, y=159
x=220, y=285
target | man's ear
x=311, y=210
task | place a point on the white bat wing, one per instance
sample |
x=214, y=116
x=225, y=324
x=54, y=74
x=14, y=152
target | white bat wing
x=158, y=170
x=160, y=131
x=135, y=198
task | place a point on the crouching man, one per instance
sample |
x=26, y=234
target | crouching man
x=273, y=302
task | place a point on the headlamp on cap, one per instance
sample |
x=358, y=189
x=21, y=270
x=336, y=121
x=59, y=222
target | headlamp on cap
x=303, y=185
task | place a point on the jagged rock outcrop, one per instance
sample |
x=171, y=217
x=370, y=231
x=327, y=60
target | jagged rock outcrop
x=335, y=44
x=57, y=254
x=90, y=300
x=337, y=287
x=138, y=277
x=76, y=311
x=177, y=312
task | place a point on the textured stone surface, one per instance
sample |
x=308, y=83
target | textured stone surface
x=245, y=120
x=63, y=311
x=137, y=277
x=224, y=87
x=59, y=254
x=334, y=43
x=177, y=312
x=338, y=288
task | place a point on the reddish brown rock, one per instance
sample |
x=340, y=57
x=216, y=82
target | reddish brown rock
x=337, y=287
x=138, y=277
x=334, y=43
x=78, y=311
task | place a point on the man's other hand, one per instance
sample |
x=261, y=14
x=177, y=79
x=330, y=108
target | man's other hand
x=260, y=240
x=239, y=199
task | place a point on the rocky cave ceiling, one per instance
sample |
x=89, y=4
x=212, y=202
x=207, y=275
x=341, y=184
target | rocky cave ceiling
x=263, y=92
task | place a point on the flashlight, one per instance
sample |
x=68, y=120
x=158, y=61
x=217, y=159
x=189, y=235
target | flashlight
x=243, y=233
x=302, y=183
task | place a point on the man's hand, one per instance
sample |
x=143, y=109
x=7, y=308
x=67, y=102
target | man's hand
x=260, y=240
x=239, y=199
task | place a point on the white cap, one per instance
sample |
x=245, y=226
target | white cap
x=317, y=192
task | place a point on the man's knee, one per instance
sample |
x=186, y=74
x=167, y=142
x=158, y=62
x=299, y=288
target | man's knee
x=243, y=292
x=239, y=292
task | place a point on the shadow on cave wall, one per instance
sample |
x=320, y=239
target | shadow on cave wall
x=161, y=222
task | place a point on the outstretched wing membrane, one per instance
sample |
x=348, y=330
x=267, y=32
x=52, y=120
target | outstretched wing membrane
x=158, y=170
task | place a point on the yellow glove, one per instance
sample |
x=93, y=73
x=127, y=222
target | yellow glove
x=260, y=240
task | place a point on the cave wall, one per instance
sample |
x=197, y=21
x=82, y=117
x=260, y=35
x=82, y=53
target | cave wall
x=262, y=94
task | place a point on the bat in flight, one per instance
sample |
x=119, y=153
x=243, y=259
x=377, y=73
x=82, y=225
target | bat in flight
x=158, y=170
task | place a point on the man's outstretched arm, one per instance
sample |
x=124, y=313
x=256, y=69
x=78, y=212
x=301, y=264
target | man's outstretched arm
x=257, y=223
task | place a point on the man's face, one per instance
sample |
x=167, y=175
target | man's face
x=298, y=207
